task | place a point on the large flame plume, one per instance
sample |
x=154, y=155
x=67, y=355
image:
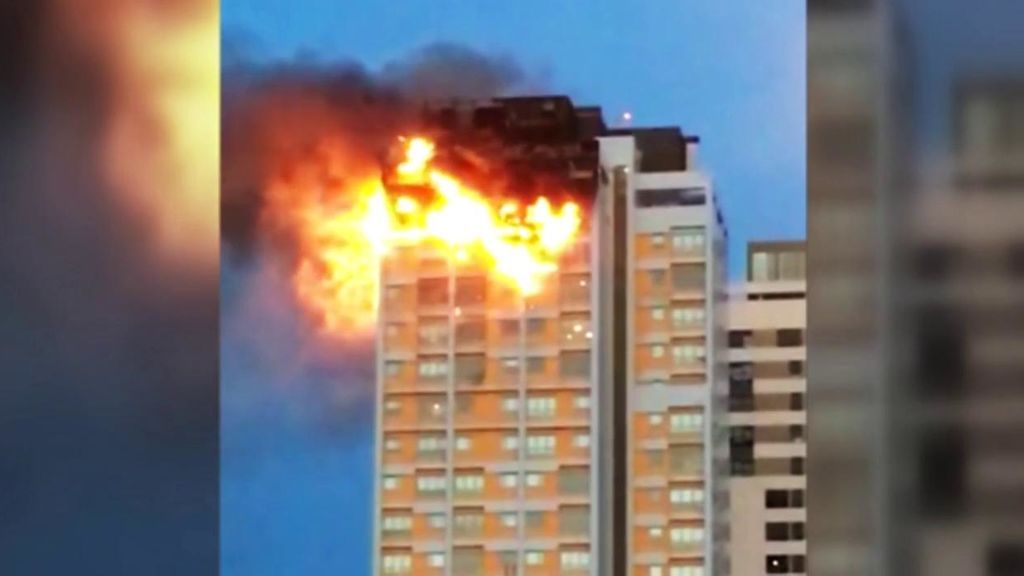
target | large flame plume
x=347, y=224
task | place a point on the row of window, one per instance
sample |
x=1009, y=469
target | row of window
x=685, y=535
x=784, y=338
x=747, y=371
x=676, y=571
x=536, y=405
x=536, y=444
x=681, y=317
x=684, y=276
x=748, y=466
x=435, y=331
x=774, y=499
x=571, y=481
x=784, y=531
x=742, y=399
x=473, y=291
x=572, y=520
x=780, y=564
x=681, y=353
x=569, y=560
x=471, y=368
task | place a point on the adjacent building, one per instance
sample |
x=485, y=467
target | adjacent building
x=767, y=319
x=581, y=430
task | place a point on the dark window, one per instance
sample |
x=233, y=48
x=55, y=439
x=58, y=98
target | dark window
x=776, y=564
x=796, y=466
x=796, y=498
x=798, y=564
x=741, y=450
x=942, y=472
x=470, y=290
x=796, y=531
x=940, y=361
x=776, y=531
x=741, y=388
x=432, y=291
x=738, y=338
x=789, y=337
x=670, y=197
x=796, y=433
x=796, y=368
x=796, y=401
x=776, y=498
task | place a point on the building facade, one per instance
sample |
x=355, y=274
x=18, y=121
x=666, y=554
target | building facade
x=767, y=386
x=570, y=432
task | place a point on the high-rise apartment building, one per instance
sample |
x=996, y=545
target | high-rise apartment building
x=576, y=431
x=767, y=386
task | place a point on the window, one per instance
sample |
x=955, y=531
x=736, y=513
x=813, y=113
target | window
x=656, y=278
x=510, y=442
x=468, y=522
x=654, y=419
x=508, y=328
x=536, y=326
x=691, y=196
x=534, y=519
x=575, y=327
x=534, y=558
x=655, y=571
x=789, y=338
x=686, y=460
x=397, y=563
x=687, y=277
x=432, y=291
x=509, y=520
x=510, y=367
x=686, y=571
x=688, y=239
x=509, y=480
x=539, y=445
x=396, y=524
x=540, y=407
x=470, y=368
x=657, y=240
x=433, y=331
x=433, y=367
x=534, y=480
x=686, y=422
x=687, y=317
x=462, y=443
x=738, y=338
x=469, y=330
x=431, y=484
x=390, y=483
x=435, y=560
x=657, y=351
x=686, y=496
x=575, y=364
x=536, y=364
x=574, y=480
x=469, y=483
x=470, y=290
x=392, y=367
x=392, y=444
x=796, y=368
x=581, y=441
x=436, y=521
x=392, y=405
x=777, y=564
x=657, y=313
x=574, y=520
x=575, y=560
x=582, y=402
x=510, y=404
x=430, y=444
x=687, y=353
x=686, y=535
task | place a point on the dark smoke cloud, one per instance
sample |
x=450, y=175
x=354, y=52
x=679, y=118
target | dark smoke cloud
x=274, y=114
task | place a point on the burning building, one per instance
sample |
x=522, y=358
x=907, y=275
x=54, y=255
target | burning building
x=549, y=347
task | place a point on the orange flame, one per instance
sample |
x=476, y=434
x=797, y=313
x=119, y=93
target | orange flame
x=343, y=249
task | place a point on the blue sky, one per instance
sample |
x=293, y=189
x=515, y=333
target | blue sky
x=296, y=501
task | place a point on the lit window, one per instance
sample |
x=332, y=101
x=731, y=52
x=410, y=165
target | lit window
x=686, y=571
x=397, y=563
x=509, y=480
x=534, y=480
x=657, y=313
x=687, y=353
x=582, y=402
x=657, y=351
x=655, y=571
x=534, y=558
x=396, y=524
x=509, y=520
x=433, y=368
x=655, y=532
x=541, y=407
x=431, y=483
x=392, y=367
x=469, y=483
x=689, y=535
x=581, y=441
x=687, y=239
x=686, y=422
x=657, y=239
x=462, y=443
x=435, y=560
x=436, y=521
x=510, y=442
x=391, y=444
x=575, y=560
x=654, y=419
x=392, y=406
x=682, y=496
x=540, y=444
x=510, y=404
x=390, y=483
